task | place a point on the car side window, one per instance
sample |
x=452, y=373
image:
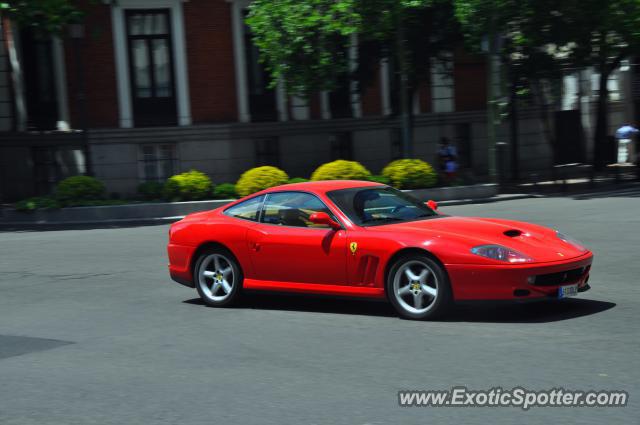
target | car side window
x=247, y=210
x=293, y=209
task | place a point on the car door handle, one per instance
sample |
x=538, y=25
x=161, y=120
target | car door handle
x=255, y=246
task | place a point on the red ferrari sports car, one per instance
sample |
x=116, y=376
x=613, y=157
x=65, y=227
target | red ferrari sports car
x=364, y=239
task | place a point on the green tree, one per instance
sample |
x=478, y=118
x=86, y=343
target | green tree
x=519, y=30
x=601, y=34
x=545, y=38
x=43, y=16
x=305, y=43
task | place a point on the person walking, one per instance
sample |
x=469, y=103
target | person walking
x=626, y=151
x=447, y=160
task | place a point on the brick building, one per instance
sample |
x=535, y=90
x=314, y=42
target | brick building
x=164, y=86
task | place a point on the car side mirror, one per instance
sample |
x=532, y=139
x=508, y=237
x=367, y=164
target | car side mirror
x=432, y=204
x=323, y=218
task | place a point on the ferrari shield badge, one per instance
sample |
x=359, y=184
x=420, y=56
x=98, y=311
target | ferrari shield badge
x=353, y=246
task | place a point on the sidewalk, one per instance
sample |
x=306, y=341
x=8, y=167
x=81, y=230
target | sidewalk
x=604, y=181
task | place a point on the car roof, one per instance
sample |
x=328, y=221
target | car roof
x=323, y=186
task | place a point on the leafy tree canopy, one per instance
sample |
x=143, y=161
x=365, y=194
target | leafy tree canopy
x=545, y=38
x=43, y=16
x=549, y=35
x=305, y=43
x=601, y=33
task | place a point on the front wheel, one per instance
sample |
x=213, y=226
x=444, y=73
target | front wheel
x=418, y=287
x=218, y=277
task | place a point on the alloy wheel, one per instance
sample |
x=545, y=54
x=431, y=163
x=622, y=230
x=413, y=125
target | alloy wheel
x=415, y=287
x=216, y=277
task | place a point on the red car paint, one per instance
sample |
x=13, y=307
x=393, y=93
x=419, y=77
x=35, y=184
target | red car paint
x=318, y=260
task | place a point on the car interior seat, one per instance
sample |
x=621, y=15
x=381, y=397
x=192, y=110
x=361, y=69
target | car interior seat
x=291, y=217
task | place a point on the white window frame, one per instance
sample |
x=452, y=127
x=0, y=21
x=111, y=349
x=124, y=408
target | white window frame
x=183, y=105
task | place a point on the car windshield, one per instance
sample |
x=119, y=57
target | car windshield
x=374, y=206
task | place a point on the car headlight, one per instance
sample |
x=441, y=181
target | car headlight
x=573, y=242
x=501, y=253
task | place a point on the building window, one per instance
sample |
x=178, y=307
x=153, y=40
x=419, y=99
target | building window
x=570, y=92
x=394, y=86
x=340, y=99
x=157, y=162
x=51, y=164
x=262, y=99
x=341, y=146
x=442, y=86
x=463, y=144
x=396, y=143
x=39, y=85
x=267, y=152
x=613, y=86
x=151, y=67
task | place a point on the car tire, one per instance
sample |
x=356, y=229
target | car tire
x=418, y=287
x=218, y=277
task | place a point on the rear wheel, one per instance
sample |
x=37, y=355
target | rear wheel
x=418, y=287
x=218, y=277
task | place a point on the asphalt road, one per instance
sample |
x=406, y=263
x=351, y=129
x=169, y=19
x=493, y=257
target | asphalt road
x=92, y=331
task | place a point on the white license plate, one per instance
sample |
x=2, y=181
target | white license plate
x=568, y=291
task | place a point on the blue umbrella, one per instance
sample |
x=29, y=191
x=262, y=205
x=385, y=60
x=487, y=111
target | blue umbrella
x=626, y=132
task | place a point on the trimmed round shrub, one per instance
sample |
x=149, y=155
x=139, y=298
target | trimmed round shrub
x=79, y=188
x=341, y=170
x=225, y=191
x=190, y=186
x=37, y=203
x=297, y=180
x=410, y=174
x=150, y=191
x=259, y=178
x=379, y=179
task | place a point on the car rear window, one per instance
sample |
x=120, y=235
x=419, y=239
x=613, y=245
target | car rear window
x=246, y=210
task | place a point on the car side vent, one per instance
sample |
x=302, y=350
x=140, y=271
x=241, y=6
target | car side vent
x=366, y=272
x=512, y=233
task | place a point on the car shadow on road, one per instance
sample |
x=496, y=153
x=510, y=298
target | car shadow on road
x=311, y=304
x=538, y=312
x=535, y=312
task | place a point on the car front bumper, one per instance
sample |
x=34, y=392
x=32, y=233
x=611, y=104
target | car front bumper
x=518, y=281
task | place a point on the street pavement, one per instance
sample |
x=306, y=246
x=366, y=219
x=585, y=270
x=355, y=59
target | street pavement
x=92, y=331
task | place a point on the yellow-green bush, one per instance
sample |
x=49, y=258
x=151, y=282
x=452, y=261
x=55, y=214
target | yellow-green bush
x=410, y=174
x=190, y=186
x=150, y=191
x=37, y=203
x=259, y=178
x=379, y=179
x=297, y=180
x=341, y=170
x=225, y=191
x=79, y=188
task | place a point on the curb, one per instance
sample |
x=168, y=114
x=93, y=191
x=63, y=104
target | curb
x=80, y=225
x=152, y=210
x=156, y=221
x=497, y=198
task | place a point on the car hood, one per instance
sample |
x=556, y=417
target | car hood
x=538, y=242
